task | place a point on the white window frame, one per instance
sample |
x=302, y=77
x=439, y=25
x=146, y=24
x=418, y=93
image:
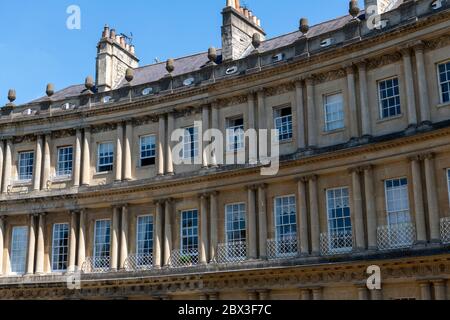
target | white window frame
x=278, y=235
x=23, y=250
x=20, y=167
x=448, y=183
x=285, y=128
x=235, y=135
x=441, y=93
x=189, y=144
x=94, y=253
x=138, y=241
x=341, y=114
x=182, y=237
x=334, y=233
x=60, y=170
x=101, y=157
x=56, y=256
x=244, y=212
x=141, y=151
x=405, y=213
x=380, y=99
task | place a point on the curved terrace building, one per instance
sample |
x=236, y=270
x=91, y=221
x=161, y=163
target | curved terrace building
x=93, y=204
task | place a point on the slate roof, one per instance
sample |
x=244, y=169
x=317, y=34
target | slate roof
x=191, y=63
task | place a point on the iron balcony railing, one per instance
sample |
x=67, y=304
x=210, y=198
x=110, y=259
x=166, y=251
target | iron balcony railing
x=396, y=236
x=445, y=230
x=96, y=265
x=335, y=243
x=139, y=261
x=283, y=248
x=183, y=258
x=231, y=252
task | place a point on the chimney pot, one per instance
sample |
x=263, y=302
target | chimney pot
x=132, y=49
x=230, y=3
x=105, y=33
x=304, y=25
x=250, y=13
x=246, y=13
x=237, y=4
x=255, y=20
x=129, y=75
x=89, y=83
x=259, y=23
x=170, y=65
x=11, y=95
x=50, y=89
x=113, y=34
x=353, y=8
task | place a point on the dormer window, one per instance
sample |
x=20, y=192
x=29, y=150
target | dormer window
x=278, y=57
x=231, y=70
x=27, y=112
x=107, y=99
x=147, y=91
x=188, y=82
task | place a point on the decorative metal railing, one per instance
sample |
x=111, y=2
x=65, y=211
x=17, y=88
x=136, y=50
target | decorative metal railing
x=183, y=258
x=336, y=243
x=139, y=261
x=445, y=230
x=231, y=252
x=282, y=248
x=396, y=236
x=96, y=265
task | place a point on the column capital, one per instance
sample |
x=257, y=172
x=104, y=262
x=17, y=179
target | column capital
x=261, y=186
x=362, y=64
x=169, y=201
x=357, y=170
x=250, y=187
x=367, y=167
x=3, y=218
x=299, y=82
x=418, y=46
x=423, y=283
x=261, y=92
x=428, y=155
x=203, y=196
x=310, y=80
x=349, y=68
x=158, y=201
x=416, y=157
x=308, y=178
x=405, y=50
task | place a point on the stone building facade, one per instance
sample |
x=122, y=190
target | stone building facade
x=90, y=192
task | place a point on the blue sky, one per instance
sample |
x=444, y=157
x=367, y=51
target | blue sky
x=36, y=47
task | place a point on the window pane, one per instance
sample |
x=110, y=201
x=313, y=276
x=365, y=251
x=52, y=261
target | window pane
x=389, y=98
x=60, y=247
x=283, y=123
x=105, y=157
x=235, y=224
x=26, y=163
x=286, y=218
x=19, y=245
x=102, y=238
x=334, y=112
x=145, y=235
x=65, y=161
x=148, y=150
x=397, y=200
x=444, y=81
x=189, y=231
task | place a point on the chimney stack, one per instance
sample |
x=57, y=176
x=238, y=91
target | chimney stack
x=114, y=56
x=379, y=6
x=239, y=26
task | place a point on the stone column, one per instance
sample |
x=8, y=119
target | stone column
x=363, y=294
x=72, y=242
x=371, y=212
x=352, y=101
x=302, y=217
x=409, y=86
x=167, y=232
x=118, y=155
x=127, y=174
x=364, y=100
x=2, y=242
x=433, y=204
x=115, y=238
x=358, y=210
x=7, y=166
x=317, y=293
x=439, y=290
x=1, y=164
x=301, y=141
x=418, y=200
x=262, y=220
x=40, y=245
x=214, y=125
x=161, y=139
x=158, y=235
x=261, y=109
x=203, y=254
x=251, y=199
x=47, y=163
x=170, y=129
x=314, y=212
x=205, y=127
x=38, y=163
x=213, y=225
x=312, y=125
x=305, y=294
x=124, y=237
x=252, y=148
x=86, y=171
x=422, y=84
x=376, y=294
x=31, y=245
x=77, y=159
x=425, y=290
x=82, y=239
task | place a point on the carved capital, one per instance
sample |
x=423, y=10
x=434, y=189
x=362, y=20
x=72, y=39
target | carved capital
x=429, y=156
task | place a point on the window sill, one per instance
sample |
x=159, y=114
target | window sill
x=287, y=141
x=443, y=105
x=22, y=183
x=390, y=118
x=61, y=179
x=326, y=133
x=104, y=173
